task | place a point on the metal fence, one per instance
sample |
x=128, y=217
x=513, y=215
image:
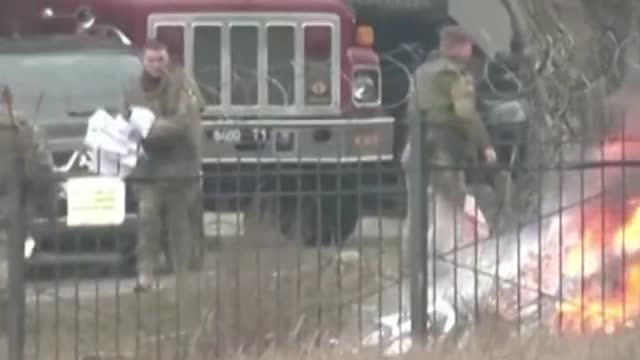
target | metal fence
x=292, y=253
x=322, y=254
x=561, y=257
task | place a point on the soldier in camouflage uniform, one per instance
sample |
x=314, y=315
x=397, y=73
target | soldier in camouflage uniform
x=455, y=136
x=445, y=100
x=169, y=185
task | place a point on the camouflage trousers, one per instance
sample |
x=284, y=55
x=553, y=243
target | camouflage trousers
x=445, y=193
x=446, y=173
x=448, y=181
x=168, y=212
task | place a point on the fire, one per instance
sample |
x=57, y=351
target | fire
x=597, y=312
x=606, y=294
x=628, y=238
x=601, y=250
x=596, y=280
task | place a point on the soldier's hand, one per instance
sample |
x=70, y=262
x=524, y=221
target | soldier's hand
x=490, y=155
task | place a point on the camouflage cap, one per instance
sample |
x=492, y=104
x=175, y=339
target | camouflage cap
x=454, y=34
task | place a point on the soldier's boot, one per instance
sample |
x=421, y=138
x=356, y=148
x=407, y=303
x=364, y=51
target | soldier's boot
x=145, y=283
x=146, y=279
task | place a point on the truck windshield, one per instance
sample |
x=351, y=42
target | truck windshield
x=52, y=87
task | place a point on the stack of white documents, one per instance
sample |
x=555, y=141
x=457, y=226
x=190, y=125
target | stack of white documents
x=113, y=142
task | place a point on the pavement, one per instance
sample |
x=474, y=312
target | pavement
x=372, y=227
x=369, y=230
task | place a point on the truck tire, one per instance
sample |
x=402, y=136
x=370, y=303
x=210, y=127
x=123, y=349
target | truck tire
x=315, y=221
x=126, y=247
x=425, y=9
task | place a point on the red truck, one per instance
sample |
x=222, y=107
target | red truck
x=294, y=98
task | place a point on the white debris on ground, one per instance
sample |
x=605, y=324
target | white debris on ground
x=473, y=268
x=394, y=330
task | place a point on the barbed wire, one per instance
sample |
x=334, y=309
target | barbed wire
x=566, y=75
x=551, y=65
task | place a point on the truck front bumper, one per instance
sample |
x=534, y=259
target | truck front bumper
x=299, y=141
x=51, y=242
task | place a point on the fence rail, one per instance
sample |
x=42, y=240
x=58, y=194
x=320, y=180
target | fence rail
x=289, y=253
x=335, y=255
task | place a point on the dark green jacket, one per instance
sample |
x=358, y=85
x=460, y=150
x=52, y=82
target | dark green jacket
x=173, y=146
x=445, y=96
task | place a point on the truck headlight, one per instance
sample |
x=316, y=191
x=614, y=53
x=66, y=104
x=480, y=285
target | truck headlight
x=366, y=87
x=29, y=247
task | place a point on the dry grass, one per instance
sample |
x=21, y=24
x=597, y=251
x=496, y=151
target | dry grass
x=257, y=292
x=281, y=294
x=262, y=298
x=485, y=345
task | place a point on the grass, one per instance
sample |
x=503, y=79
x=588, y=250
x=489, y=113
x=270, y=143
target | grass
x=484, y=344
x=261, y=298
x=255, y=293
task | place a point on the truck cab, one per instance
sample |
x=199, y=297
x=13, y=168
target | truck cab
x=303, y=98
x=293, y=93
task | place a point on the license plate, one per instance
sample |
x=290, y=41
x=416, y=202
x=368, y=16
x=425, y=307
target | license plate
x=95, y=201
x=244, y=135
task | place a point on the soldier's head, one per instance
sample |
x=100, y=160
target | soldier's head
x=456, y=42
x=155, y=58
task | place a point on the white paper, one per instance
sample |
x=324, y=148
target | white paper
x=111, y=163
x=110, y=134
x=95, y=201
x=142, y=119
x=112, y=144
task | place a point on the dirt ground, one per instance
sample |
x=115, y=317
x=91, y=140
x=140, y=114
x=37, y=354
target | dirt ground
x=251, y=294
x=244, y=304
x=257, y=293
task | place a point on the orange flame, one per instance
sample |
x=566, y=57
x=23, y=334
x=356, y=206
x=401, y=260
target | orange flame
x=608, y=302
x=592, y=313
x=605, y=259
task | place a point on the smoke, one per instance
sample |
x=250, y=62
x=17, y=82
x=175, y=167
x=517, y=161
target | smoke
x=595, y=179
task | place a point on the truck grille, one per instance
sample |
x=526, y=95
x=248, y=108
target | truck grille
x=61, y=158
x=260, y=64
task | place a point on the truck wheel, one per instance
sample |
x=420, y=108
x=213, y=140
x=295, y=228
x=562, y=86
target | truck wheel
x=126, y=248
x=317, y=221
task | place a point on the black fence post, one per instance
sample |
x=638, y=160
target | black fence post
x=418, y=220
x=16, y=304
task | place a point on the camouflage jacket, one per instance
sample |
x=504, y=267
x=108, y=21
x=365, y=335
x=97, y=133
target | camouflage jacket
x=173, y=145
x=445, y=95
